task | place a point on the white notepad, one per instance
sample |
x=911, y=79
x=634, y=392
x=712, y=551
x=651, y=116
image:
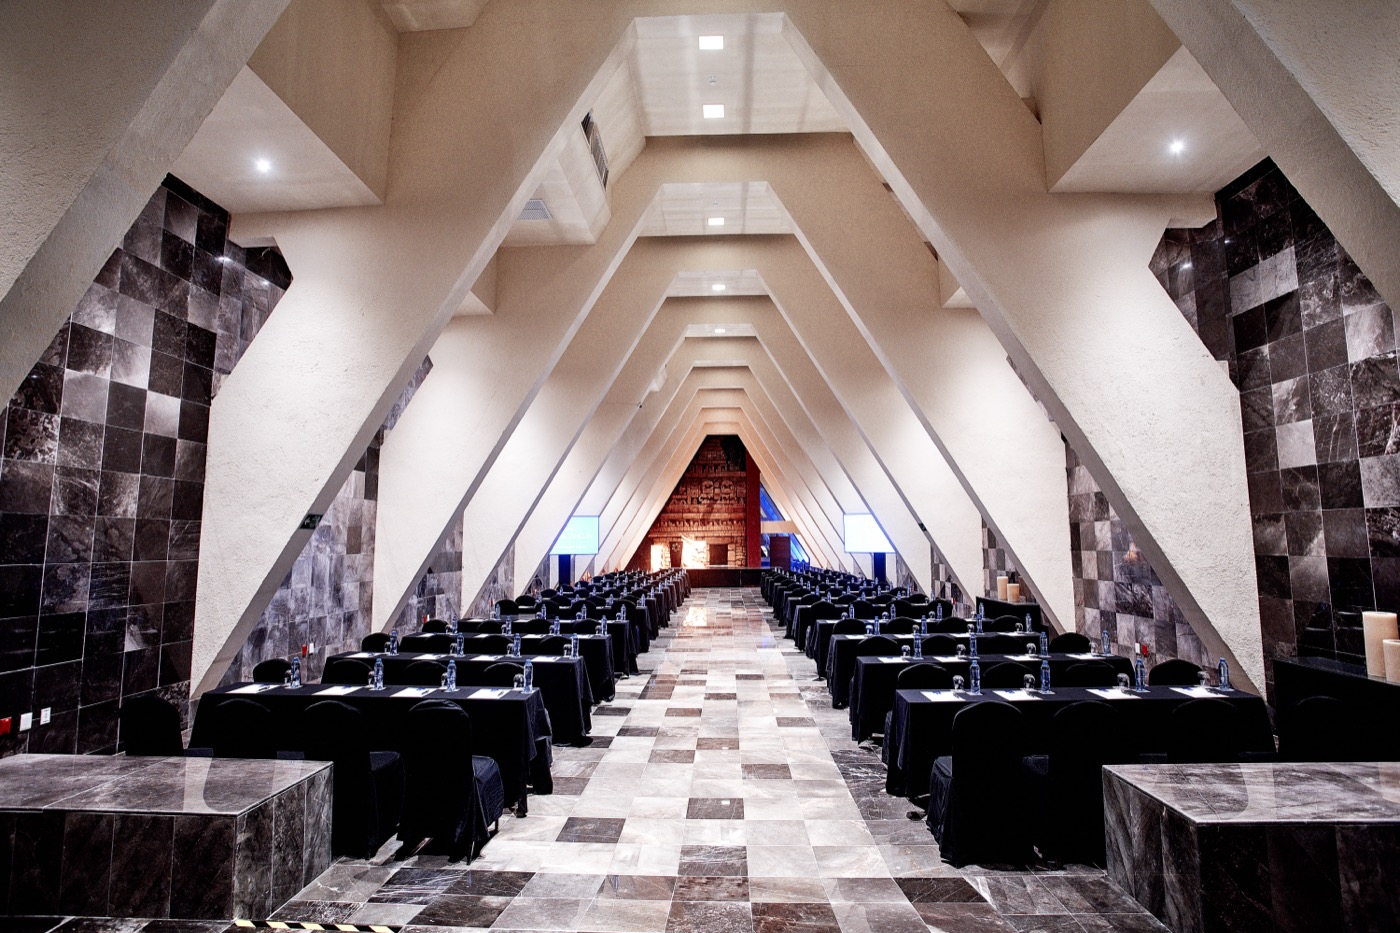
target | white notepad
x=415, y=691
x=1112, y=693
x=490, y=693
x=487, y=657
x=892, y=660
x=360, y=654
x=1085, y=657
x=1016, y=695
x=254, y=688
x=1198, y=693
x=942, y=696
x=338, y=691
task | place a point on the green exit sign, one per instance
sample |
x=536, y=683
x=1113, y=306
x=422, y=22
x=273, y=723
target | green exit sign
x=310, y=522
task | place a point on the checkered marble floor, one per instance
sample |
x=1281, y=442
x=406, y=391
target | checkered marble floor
x=721, y=794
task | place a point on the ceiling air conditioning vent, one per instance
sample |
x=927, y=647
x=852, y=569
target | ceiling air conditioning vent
x=536, y=209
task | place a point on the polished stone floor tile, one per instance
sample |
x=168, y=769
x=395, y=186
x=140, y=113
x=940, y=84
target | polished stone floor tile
x=715, y=808
x=706, y=888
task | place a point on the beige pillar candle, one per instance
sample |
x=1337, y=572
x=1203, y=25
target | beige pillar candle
x=1376, y=627
x=1001, y=588
x=1391, y=646
x=1013, y=592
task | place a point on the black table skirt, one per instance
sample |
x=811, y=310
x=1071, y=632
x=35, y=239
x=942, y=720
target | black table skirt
x=872, y=683
x=513, y=729
x=921, y=729
x=597, y=654
x=624, y=647
x=563, y=682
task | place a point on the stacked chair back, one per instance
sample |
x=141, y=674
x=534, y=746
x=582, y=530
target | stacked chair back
x=435, y=626
x=1071, y=643
x=272, y=671
x=429, y=644
x=346, y=672
x=877, y=646
x=453, y=796
x=501, y=674
x=1318, y=728
x=972, y=795
x=1203, y=731
x=1004, y=676
x=926, y=675
x=150, y=725
x=245, y=730
x=1174, y=673
x=420, y=674
x=1089, y=674
x=367, y=787
x=377, y=641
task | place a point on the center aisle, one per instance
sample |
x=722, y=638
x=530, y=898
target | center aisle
x=721, y=794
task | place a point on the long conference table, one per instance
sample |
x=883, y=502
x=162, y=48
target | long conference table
x=623, y=647
x=921, y=727
x=509, y=726
x=872, y=681
x=562, y=681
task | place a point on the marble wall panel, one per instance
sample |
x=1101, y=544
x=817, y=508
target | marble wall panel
x=1312, y=349
x=102, y=455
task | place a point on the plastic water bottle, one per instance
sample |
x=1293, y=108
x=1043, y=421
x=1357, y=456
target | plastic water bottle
x=918, y=648
x=974, y=677
x=1224, y=673
x=529, y=676
x=1044, y=645
x=573, y=645
x=876, y=623
x=1045, y=676
x=515, y=647
x=1107, y=642
x=554, y=627
x=495, y=612
x=938, y=613
x=1140, y=675
x=451, y=674
x=978, y=617
x=460, y=644
x=602, y=628
x=539, y=610
x=1029, y=625
x=394, y=642
x=623, y=613
x=295, y=673
x=377, y=678
x=972, y=647
x=923, y=625
x=505, y=627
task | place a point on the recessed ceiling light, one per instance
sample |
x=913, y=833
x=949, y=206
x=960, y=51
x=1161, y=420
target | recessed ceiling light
x=711, y=43
x=1186, y=264
x=1177, y=147
x=263, y=165
x=717, y=287
x=716, y=221
x=719, y=330
x=712, y=111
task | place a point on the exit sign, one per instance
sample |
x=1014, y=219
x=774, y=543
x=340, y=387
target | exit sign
x=310, y=522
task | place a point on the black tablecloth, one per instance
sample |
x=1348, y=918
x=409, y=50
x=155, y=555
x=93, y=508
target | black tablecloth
x=622, y=649
x=563, y=681
x=512, y=729
x=872, y=681
x=598, y=656
x=921, y=729
x=996, y=608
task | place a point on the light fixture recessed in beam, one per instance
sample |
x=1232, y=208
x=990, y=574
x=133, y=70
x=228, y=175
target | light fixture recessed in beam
x=717, y=287
x=1177, y=147
x=712, y=111
x=711, y=43
x=262, y=165
x=720, y=330
x=716, y=221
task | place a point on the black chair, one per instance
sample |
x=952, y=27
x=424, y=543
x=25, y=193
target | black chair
x=848, y=627
x=877, y=646
x=586, y=627
x=428, y=644
x=1318, y=728
x=346, y=671
x=1004, y=676
x=436, y=626
x=243, y=729
x=489, y=626
x=552, y=645
x=1072, y=643
x=377, y=642
x=1002, y=644
x=508, y=607
x=500, y=674
x=150, y=725
x=1203, y=731
x=940, y=645
x=272, y=671
x=548, y=594
x=912, y=606
x=1088, y=674
x=1003, y=624
x=973, y=793
x=951, y=625
x=532, y=626
x=1174, y=673
x=825, y=610
x=900, y=626
x=524, y=604
x=367, y=786
x=924, y=675
x=865, y=609
x=417, y=674
x=492, y=644
x=1067, y=784
x=442, y=805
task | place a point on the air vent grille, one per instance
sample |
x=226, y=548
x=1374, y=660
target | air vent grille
x=536, y=209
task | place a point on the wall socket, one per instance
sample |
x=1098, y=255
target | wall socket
x=26, y=722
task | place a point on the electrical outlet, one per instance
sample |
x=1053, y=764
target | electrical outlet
x=45, y=715
x=26, y=722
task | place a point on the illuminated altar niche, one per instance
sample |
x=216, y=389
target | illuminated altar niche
x=660, y=557
x=694, y=553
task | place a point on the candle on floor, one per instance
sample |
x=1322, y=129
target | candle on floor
x=1376, y=627
x=1013, y=592
x=1001, y=587
x=1391, y=647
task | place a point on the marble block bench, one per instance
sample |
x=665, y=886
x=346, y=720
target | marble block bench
x=199, y=838
x=1258, y=847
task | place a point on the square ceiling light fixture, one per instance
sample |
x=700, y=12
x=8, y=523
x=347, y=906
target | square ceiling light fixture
x=715, y=221
x=712, y=43
x=712, y=111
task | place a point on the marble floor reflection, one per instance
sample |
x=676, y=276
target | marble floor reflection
x=722, y=794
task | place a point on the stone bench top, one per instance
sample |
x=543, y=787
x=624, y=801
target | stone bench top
x=111, y=784
x=1269, y=792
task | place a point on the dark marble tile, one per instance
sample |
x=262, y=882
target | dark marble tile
x=121, y=450
x=709, y=917
x=591, y=829
x=36, y=863
x=649, y=887
x=715, y=808
x=23, y=538
x=74, y=491
x=717, y=861
x=167, y=373
x=142, y=866
x=794, y=918
x=415, y=886
x=26, y=487
x=1300, y=488
x=938, y=890
x=31, y=436
x=767, y=772
x=672, y=756
x=461, y=911
x=87, y=863
x=1383, y=527
x=1334, y=437
x=963, y=918
x=701, y=888
x=18, y=639
x=42, y=389
x=319, y=912
x=1375, y=381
